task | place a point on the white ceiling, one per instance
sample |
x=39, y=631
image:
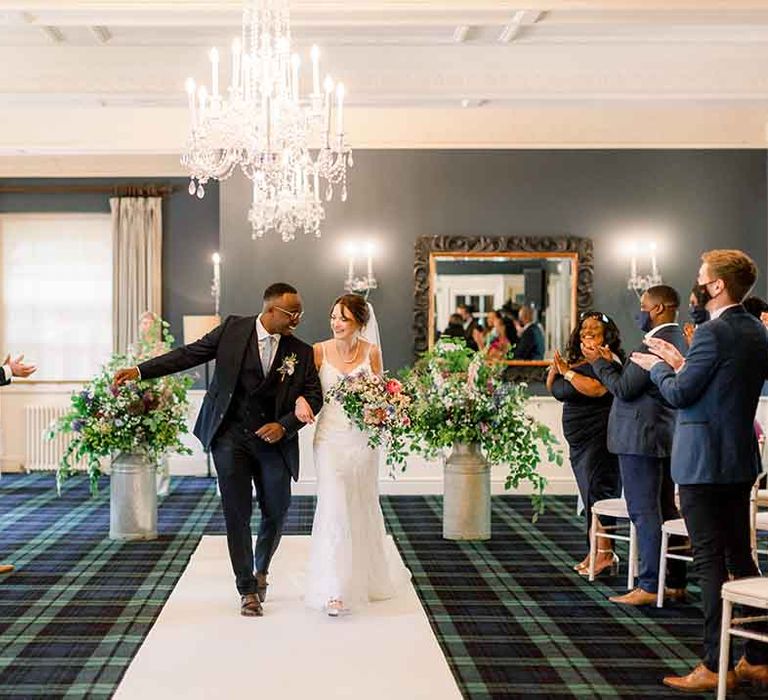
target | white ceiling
x=106, y=77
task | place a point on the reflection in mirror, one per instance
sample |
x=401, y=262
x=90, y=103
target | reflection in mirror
x=521, y=306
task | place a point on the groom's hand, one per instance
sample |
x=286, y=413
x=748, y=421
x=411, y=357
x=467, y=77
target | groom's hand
x=122, y=376
x=271, y=432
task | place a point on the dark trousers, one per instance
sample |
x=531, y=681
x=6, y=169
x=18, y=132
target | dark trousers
x=650, y=495
x=717, y=518
x=243, y=460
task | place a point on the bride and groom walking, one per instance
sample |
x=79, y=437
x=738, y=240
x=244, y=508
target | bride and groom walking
x=267, y=385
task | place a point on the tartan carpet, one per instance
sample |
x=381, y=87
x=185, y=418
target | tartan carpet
x=511, y=617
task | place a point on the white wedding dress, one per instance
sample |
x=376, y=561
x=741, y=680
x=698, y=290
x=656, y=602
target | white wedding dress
x=349, y=557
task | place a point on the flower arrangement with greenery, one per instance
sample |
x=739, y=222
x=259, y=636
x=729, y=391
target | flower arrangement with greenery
x=145, y=417
x=461, y=396
x=378, y=406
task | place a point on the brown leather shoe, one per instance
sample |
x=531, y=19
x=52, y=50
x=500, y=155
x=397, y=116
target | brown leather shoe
x=699, y=680
x=6, y=568
x=250, y=605
x=635, y=597
x=676, y=595
x=757, y=674
x=261, y=585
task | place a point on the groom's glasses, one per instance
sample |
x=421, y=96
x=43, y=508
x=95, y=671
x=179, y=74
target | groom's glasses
x=293, y=315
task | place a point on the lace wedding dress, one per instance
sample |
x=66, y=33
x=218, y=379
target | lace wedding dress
x=349, y=557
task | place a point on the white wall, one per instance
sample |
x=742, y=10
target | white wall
x=420, y=477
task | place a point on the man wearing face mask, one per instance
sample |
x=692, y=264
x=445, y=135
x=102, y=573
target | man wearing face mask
x=715, y=458
x=640, y=429
x=697, y=312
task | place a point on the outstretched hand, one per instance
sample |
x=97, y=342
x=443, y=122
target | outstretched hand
x=667, y=352
x=18, y=368
x=593, y=353
x=645, y=360
x=130, y=374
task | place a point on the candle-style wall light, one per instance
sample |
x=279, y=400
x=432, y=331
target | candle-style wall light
x=365, y=283
x=640, y=283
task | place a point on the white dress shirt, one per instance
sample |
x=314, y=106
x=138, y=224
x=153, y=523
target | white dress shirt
x=654, y=331
x=719, y=312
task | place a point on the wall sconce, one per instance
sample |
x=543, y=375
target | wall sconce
x=360, y=285
x=639, y=283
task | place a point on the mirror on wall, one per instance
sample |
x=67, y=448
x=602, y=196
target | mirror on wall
x=519, y=295
x=518, y=305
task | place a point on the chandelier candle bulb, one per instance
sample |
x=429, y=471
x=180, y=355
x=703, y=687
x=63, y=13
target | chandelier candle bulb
x=235, y=63
x=317, y=185
x=315, y=70
x=202, y=97
x=340, y=109
x=191, y=90
x=214, y=55
x=295, y=63
x=654, y=266
x=370, y=261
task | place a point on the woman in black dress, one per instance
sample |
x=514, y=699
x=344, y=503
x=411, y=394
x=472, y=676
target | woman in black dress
x=586, y=405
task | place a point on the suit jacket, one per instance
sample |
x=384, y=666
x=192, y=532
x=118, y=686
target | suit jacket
x=531, y=344
x=3, y=379
x=716, y=393
x=227, y=344
x=641, y=421
x=469, y=332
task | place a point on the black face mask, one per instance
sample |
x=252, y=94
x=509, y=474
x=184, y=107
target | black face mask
x=698, y=314
x=701, y=292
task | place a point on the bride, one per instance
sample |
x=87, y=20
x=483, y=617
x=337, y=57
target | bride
x=348, y=564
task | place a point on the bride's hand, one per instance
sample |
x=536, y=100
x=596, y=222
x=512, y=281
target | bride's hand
x=304, y=411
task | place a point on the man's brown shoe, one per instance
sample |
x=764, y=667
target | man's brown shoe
x=261, y=586
x=699, y=680
x=6, y=568
x=635, y=597
x=250, y=605
x=757, y=674
x=676, y=595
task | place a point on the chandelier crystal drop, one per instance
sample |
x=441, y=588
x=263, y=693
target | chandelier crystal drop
x=292, y=149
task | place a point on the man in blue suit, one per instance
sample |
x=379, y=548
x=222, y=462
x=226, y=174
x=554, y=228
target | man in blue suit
x=715, y=458
x=640, y=430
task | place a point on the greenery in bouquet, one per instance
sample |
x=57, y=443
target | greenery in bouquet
x=377, y=405
x=147, y=417
x=461, y=396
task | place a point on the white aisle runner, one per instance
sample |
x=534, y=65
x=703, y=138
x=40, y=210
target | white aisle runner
x=200, y=647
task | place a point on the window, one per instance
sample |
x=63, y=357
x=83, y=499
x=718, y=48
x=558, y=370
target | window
x=56, y=305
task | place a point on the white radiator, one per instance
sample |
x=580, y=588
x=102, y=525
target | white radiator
x=39, y=452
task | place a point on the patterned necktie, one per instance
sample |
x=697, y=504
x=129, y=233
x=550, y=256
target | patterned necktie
x=266, y=355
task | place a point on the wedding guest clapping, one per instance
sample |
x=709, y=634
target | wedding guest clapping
x=13, y=368
x=640, y=430
x=586, y=407
x=715, y=459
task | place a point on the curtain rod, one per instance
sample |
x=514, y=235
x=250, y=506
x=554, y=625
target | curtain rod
x=116, y=190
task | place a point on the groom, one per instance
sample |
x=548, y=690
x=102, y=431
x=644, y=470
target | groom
x=247, y=420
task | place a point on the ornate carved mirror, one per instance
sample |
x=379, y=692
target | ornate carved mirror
x=540, y=285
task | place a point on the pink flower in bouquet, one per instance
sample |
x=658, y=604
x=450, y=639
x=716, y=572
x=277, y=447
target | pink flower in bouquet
x=394, y=387
x=406, y=422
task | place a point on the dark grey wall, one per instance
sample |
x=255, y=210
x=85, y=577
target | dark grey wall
x=687, y=201
x=190, y=235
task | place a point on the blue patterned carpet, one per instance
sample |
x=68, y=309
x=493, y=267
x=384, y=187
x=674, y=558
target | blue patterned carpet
x=511, y=617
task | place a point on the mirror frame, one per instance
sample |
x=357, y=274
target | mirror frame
x=427, y=248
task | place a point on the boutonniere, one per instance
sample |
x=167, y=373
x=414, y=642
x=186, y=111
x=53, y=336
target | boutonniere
x=288, y=366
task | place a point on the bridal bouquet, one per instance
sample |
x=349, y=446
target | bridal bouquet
x=378, y=406
x=459, y=396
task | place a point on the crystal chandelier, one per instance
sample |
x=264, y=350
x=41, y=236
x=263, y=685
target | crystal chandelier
x=283, y=144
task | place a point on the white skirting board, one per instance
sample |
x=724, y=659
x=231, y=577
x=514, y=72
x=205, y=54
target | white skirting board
x=200, y=647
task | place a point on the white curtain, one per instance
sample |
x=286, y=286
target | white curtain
x=137, y=248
